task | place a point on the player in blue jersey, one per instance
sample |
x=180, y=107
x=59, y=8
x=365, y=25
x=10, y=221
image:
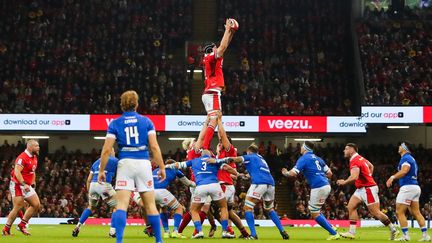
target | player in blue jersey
x=262, y=187
x=135, y=136
x=409, y=192
x=98, y=191
x=317, y=174
x=207, y=184
x=165, y=198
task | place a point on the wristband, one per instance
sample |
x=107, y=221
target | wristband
x=392, y=177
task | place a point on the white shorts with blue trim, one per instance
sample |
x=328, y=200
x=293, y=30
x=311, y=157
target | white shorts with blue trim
x=134, y=174
x=318, y=196
x=261, y=191
x=201, y=193
x=408, y=194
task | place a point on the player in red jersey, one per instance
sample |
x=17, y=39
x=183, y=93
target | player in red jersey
x=361, y=171
x=23, y=178
x=226, y=149
x=214, y=80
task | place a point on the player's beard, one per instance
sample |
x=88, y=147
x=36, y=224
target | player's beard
x=36, y=153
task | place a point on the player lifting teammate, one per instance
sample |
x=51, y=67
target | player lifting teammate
x=214, y=80
x=262, y=187
x=207, y=185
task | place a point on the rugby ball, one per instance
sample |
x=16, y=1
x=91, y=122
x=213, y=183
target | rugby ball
x=234, y=24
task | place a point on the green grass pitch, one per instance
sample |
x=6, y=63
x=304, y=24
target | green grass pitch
x=134, y=234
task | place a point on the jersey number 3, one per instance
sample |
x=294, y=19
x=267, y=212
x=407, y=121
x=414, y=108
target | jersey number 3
x=131, y=132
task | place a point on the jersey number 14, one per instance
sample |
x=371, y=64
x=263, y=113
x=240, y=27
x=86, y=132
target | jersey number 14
x=131, y=132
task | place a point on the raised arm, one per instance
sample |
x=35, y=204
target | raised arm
x=222, y=133
x=200, y=141
x=226, y=39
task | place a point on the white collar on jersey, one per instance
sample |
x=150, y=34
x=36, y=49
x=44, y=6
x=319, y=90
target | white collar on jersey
x=28, y=153
x=353, y=156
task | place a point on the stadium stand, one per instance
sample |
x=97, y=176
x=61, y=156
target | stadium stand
x=293, y=64
x=70, y=57
x=395, y=58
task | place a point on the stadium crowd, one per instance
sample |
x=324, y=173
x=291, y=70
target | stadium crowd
x=395, y=54
x=293, y=64
x=63, y=197
x=71, y=57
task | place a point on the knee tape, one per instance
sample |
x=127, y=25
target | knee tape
x=268, y=206
x=175, y=205
x=249, y=204
x=112, y=203
x=314, y=209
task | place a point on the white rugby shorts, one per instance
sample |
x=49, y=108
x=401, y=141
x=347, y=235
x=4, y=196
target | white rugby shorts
x=212, y=102
x=261, y=191
x=318, y=196
x=163, y=197
x=201, y=193
x=408, y=194
x=134, y=174
x=97, y=191
x=229, y=192
x=17, y=190
x=369, y=195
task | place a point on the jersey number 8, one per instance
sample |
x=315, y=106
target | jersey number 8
x=318, y=164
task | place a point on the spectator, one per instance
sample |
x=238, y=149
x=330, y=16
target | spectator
x=292, y=58
x=77, y=57
x=396, y=61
